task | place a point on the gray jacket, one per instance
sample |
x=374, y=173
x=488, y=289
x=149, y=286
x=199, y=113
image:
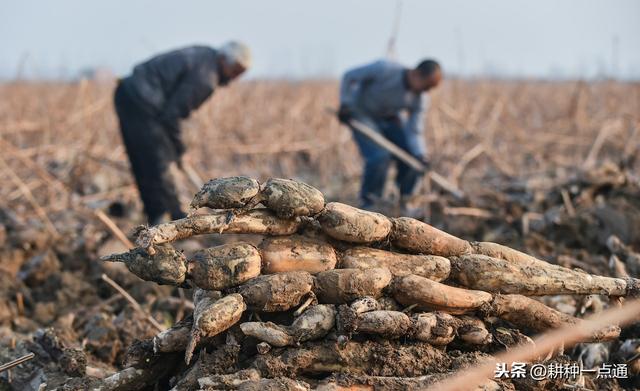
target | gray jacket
x=378, y=90
x=173, y=84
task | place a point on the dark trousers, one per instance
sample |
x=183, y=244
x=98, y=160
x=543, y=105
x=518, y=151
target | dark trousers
x=377, y=160
x=150, y=153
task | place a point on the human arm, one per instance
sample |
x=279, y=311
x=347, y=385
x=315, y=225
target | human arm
x=353, y=81
x=194, y=86
x=414, y=128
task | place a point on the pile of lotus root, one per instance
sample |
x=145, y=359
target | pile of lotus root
x=336, y=297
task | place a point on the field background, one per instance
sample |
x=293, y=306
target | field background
x=61, y=141
x=549, y=168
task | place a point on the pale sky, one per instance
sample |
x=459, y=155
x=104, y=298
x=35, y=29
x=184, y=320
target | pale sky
x=298, y=39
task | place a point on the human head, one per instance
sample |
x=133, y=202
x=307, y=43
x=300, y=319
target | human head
x=425, y=76
x=235, y=59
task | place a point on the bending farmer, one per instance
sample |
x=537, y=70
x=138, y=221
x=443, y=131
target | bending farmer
x=388, y=97
x=150, y=104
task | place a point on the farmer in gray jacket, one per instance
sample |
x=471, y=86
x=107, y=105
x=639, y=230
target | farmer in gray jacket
x=388, y=97
x=150, y=104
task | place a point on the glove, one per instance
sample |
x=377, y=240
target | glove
x=345, y=114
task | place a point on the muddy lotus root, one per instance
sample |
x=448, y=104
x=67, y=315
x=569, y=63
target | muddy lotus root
x=433, y=295
x=314, y=323
x=167, y=266
x=430, y=266
x=344, y=222
x=296, y=253
x=255, y=221
x=268, y=332
x=390, y=324
x=226, y=193
x=498, y=275
x=289, y=198
x=345, y=285
x=276, y=292
x=224, y=266
x=213, y=316
x=418, y=237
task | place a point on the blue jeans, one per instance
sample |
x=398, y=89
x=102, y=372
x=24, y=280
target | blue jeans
x=378, y=159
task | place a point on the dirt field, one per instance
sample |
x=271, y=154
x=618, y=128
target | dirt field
x=549, y=168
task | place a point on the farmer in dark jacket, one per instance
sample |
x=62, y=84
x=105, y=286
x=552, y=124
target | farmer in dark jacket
x=150, y=104
x=388, y=97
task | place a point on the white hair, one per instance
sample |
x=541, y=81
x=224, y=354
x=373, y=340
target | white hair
x=236, y=53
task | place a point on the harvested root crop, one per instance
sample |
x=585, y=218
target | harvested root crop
x=365, y=304
x=224, y=266
x=228, y=381
x=390, y=324
x=296, y=253
x=314, y=323
x=226, y=193
x=473, y=331
x=268, y=332
x=383, y=358
x=167, y=266
x=430, y=266
x=347, y=299
x=255, y=221
x=433, y=295
x=278, y=384
x=175, y=338
x=345, y=285
x=344, y=222
x=526, y=313
x=437, y=328
x=496, y=250
x=498, y=275
x=213, y=316
x=276, y=292
x=418, y=237
x=288, y=198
